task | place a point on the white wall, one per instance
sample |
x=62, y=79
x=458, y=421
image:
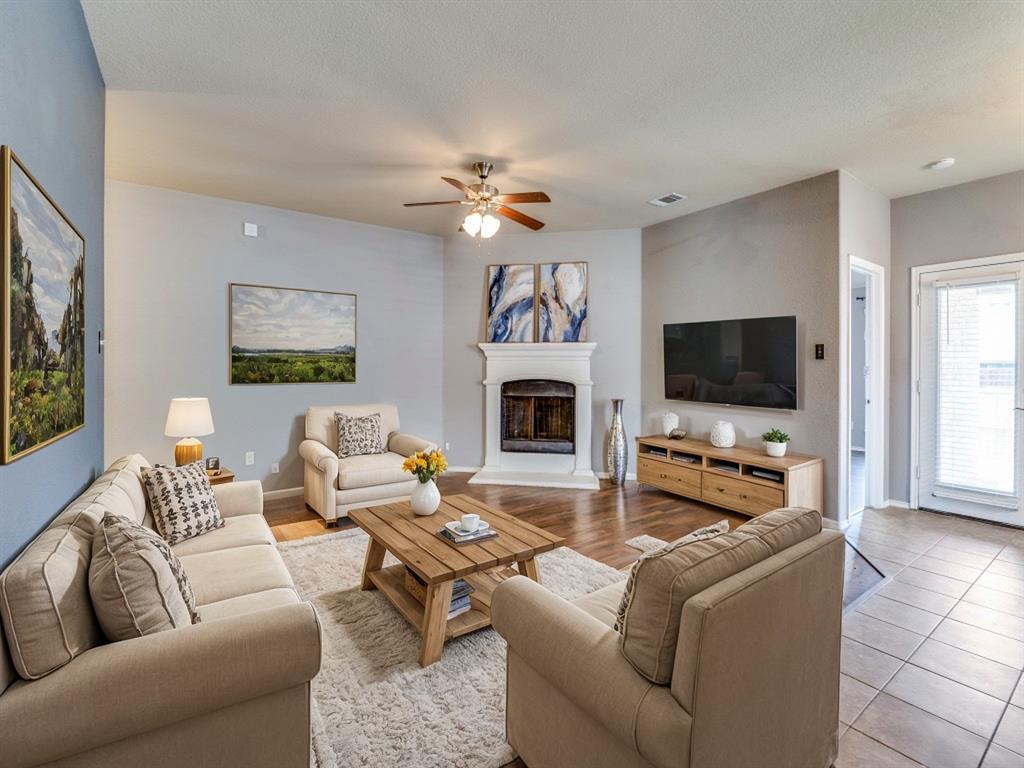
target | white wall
x=775, y=253
x=614, y=318
x=967, y=221
x=170, y=257
x=858, y=347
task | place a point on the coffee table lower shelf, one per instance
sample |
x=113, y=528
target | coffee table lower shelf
x=391, y=582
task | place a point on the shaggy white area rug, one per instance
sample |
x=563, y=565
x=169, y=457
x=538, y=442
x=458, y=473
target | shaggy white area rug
x=646, y=543
x=374, y=704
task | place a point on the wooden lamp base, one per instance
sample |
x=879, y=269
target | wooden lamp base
x=187, y=450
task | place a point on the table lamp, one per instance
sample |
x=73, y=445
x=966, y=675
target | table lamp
x=186, y=418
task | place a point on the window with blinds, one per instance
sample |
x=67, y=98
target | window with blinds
x=975, y=381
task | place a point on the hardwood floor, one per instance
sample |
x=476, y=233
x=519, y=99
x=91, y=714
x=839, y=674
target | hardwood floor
x=594, y=523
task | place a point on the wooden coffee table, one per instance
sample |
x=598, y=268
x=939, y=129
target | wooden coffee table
x=413, y=541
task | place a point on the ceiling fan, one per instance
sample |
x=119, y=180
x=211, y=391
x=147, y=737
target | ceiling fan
x=488, y=201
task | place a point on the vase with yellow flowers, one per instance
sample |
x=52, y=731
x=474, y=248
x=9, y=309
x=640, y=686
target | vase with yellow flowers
x=426, y=465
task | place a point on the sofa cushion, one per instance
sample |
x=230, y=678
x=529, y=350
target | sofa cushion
x=257, y=601
x=322, y=426
x=359, y=435
x=239, y=531
x=182, y=501
x=376, y=469
x=44, y=593
x=602, y=604
x=228, y=573
x=133, y=588
x=661, y=584
x=782, y=528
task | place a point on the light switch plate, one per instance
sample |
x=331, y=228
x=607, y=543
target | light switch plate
x=250, y=230
x=250, y=458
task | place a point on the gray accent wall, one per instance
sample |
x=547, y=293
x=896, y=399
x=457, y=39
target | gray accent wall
x=52, y=116
x=774, y=253
x=614, y=317
x=967, y=221
x=171, y=256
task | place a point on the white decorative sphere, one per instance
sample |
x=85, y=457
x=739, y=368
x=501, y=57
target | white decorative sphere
x=723, y=434
x=669, y=422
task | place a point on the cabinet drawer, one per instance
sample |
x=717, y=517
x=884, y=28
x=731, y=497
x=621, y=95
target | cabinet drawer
x=669, y=477
x=740, y=495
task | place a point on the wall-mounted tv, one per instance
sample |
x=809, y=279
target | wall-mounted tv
x=736, y=362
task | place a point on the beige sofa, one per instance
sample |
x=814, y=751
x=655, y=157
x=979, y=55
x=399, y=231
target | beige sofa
x=755, y=680
x=333, y=486
x=232, y=690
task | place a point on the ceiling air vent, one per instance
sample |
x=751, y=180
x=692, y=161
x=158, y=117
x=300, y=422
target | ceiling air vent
x=669, y=199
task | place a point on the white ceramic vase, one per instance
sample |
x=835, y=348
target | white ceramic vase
x=669, y=422
x=777, y=450
x=723, y=434
x=425, y=498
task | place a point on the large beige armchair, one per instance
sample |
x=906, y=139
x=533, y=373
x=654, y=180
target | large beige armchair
x=333, y=486
x=755, y=680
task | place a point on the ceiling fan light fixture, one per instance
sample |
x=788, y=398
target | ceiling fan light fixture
x=473, y=223
x=489, y=225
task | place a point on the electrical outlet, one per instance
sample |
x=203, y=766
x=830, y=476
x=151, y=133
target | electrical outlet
x=447, y=445
x=250, y=458
x=819, y=351
x=275, y=468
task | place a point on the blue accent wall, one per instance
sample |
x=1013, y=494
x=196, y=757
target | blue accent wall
x=52, y=116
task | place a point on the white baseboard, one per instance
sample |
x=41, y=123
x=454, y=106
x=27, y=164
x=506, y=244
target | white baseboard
x=464, y=469
x=605, y=475
x=282, y=493
x=897, y=504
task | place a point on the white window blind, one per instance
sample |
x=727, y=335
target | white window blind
x=975, y=382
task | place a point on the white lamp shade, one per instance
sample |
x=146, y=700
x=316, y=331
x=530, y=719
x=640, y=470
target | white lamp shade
x=189, y=417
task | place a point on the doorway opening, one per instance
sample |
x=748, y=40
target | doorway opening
x=862, y=452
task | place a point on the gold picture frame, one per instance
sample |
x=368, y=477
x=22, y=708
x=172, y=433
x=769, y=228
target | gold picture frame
x=270, y=372
x=44, y=397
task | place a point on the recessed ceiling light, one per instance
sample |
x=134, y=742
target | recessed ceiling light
x=669, y=199
x=939, y=165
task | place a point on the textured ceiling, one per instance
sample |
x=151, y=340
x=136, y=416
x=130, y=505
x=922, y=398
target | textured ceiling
x=349, y=109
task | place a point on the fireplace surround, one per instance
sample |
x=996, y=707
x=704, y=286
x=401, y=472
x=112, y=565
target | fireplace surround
x=537, y=422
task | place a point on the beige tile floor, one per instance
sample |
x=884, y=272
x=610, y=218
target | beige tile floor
x=932, y=660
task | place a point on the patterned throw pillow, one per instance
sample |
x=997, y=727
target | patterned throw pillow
x=182, y=501
x=136, y=583
x=701, y=534
x=358, y=435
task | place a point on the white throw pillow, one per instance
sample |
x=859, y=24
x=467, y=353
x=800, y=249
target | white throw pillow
x=136, y=583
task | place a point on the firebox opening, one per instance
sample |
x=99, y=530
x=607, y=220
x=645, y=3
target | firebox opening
x=538, y=416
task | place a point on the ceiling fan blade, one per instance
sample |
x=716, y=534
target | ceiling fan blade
x=524, y=197
x=519, y=218
x=436, y=202
x=459, y=186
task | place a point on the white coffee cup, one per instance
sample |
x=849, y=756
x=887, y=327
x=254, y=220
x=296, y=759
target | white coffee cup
x=469, y=523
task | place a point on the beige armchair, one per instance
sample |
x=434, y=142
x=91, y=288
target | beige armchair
x=333, y=486
x=755, y=679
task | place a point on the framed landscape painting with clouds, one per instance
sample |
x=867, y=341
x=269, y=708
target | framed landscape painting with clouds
x=291, y=336
x=43, y=315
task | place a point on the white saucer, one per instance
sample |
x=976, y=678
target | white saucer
x=455, y=527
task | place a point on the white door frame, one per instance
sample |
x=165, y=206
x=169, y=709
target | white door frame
x=876, y=436
x=915, y=351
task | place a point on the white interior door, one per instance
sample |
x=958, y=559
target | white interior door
x=971, y=369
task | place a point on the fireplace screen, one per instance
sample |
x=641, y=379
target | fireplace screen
x=538, y=416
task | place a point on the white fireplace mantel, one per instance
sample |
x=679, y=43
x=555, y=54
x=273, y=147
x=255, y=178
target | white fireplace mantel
x=568, y=362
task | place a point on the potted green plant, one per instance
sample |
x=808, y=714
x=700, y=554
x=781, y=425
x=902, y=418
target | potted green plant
x=775, y=441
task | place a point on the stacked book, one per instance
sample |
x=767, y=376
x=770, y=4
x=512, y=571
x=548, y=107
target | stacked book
x=461, y=590
x=457, y=537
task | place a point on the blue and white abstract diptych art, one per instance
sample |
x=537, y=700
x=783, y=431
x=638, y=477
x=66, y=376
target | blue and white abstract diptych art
x=563, y=301
x=510, y=302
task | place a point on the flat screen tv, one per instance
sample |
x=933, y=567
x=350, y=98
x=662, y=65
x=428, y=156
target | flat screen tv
x=736, y=362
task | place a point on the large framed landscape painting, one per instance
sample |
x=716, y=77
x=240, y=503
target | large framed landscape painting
x=291, y=336
x=510, y=303
x=43, y=316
